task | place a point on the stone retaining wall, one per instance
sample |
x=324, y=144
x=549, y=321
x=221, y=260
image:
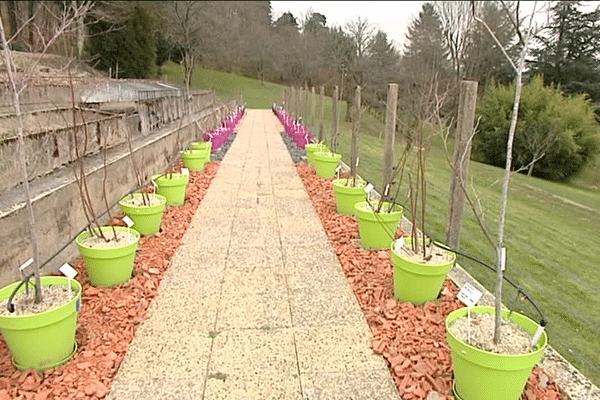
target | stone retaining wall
x=51, y=148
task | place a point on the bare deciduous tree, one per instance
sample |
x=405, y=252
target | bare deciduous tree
x=187, y=24
x=17, y=83
x=539, y=138
x=457, y=21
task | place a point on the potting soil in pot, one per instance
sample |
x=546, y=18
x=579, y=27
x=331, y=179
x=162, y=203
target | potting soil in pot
x=479, y=333
x=53, y=297
x=123, y=237
x=138, y=201
x=435, y=255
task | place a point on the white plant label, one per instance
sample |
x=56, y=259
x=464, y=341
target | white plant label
x=368, y=188
x=128, y=221
x=26, y=264
x=537, y=336
x=502, y=258
x=399, y=245
x=387, y=190
x=68, y=271
x=185, y=171
x=357, y=158
x=469, y=295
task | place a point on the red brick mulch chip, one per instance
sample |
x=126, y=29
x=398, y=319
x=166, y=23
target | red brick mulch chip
x=108, y=317
x=411, y=338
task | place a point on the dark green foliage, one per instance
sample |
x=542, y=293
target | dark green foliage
x=425, y=69
x=563, y=128
x=382, y=68
x=315, y=22
x=129, y=44
x=569, y=52
x=426, y=41
x=167, y=51
x=483, y=60
x=287, y=19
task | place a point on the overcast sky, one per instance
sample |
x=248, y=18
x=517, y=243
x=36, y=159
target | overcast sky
x=392, y=17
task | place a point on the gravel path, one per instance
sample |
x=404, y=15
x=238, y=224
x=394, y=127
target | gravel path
x=255, y=304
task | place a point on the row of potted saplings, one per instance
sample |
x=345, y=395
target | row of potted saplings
x=418, y=278
x=44, y=340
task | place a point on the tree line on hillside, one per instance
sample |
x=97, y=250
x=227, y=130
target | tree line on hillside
x=444, y=46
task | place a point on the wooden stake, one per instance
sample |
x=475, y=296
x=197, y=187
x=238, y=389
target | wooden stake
x=293, y=103
x=305, y=103
x=322, y=123
x=355, y=134
x=390, y=133
x=313, y=122
x=334, y=119
x=462, y=154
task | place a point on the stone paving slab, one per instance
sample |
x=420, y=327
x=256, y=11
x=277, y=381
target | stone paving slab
x=255, y=304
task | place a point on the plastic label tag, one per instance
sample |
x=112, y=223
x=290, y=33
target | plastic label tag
x=469, y=295
x=387, y=190
x=185, y=171
x=357, y=158
x=26, y=264
x=502, y=258
x=399, y=245
x=78, y=305
x=128, y=221
x=68, y=271
x=538, y=334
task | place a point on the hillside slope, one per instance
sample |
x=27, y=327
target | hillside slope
x=227, y=86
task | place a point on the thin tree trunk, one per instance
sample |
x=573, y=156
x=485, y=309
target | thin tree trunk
x=23, y=161
x=80, y=32
x=505, y=181
x=530, y=171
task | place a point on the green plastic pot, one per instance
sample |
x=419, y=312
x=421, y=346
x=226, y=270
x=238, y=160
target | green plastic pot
x=346, y=195
x=203, y=146
x=109, y=266
x=482, y=375
x=172, y=187
x=44, y=340
x=416, y=282
x=146, y=219
x=326, y=163
x=311, y=148
x=195, y=159
x=377, y=230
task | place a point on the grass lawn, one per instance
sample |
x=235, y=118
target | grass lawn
x=227, y=86
x=551, y=232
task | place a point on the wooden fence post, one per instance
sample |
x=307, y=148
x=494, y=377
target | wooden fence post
x=460, y=164
x=322, y=123
x=313, y=124
x=305, y=111
x=390, y=133
x=334, y=120
x=355, y=133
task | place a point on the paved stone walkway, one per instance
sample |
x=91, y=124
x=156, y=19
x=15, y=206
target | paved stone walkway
x=255, y=304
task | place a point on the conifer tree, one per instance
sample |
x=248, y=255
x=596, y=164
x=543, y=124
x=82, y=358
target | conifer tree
x=569, y=51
